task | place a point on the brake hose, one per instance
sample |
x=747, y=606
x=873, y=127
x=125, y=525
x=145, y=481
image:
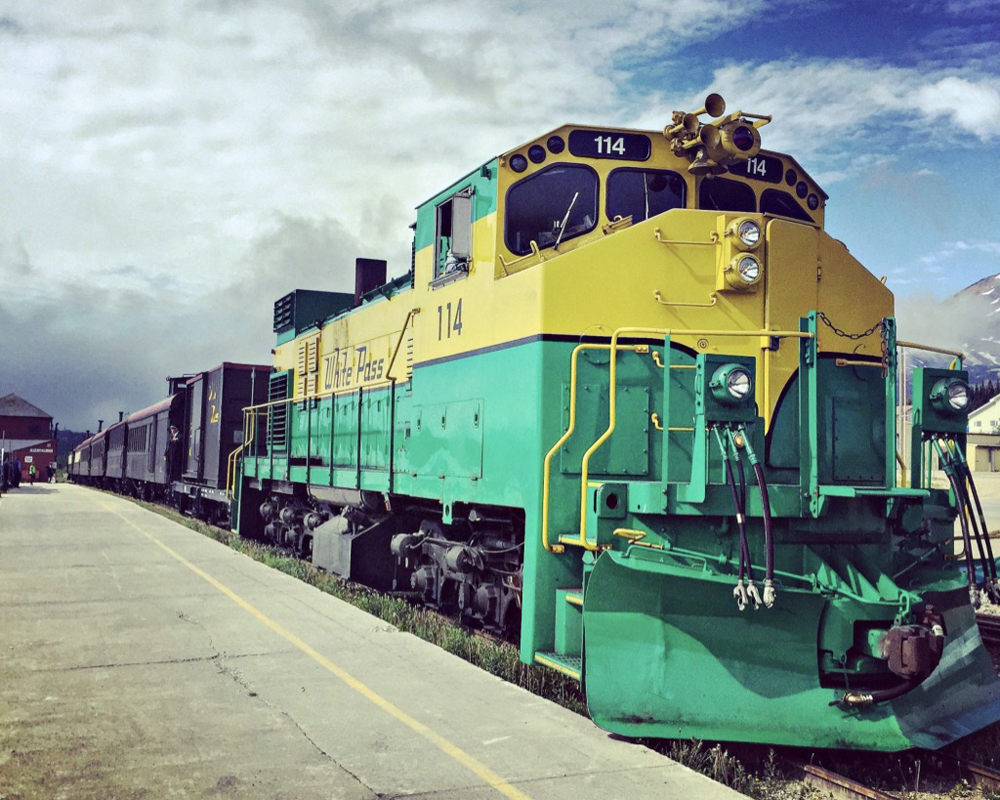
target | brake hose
x=965, y=509
x=752, y=592
x=990, y=566
x=973, y=524
x=769, y=592
x=865, y=699
x=743, y=597
x=743, y=508
x=949, y=471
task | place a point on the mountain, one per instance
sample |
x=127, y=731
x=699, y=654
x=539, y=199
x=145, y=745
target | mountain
x=982, y=346
x=968, y=322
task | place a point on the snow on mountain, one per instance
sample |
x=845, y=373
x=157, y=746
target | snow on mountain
x=967, y=321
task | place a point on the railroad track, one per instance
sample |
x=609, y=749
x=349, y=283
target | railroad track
x=839, y=786
x=989, y=627
x=844, y=788
x=977, y=773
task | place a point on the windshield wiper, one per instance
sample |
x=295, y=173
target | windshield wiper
x=562, y=226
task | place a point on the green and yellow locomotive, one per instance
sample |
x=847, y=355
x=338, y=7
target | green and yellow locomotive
x=634, y=406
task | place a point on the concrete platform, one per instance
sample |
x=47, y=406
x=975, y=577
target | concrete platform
x=140, y=659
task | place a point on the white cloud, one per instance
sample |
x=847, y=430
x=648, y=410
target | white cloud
x=848, y=113
x=969, y=106
x=961, y=248
x=950, y=323
x=173, y=165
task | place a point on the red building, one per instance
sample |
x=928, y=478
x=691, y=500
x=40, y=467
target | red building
x=26, y=434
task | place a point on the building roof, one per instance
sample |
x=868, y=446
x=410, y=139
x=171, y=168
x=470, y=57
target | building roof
x=13, y=406
x=10, y=445
x=989, y=405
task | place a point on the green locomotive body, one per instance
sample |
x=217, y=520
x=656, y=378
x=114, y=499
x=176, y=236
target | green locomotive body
x=634, y=406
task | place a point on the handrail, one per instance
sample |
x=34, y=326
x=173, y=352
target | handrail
x=612, y=414
x=658, y=296
x=249, y=432
x=713, y=238
x=546, y=472
x=231, y=461
x=957, y=353
x=318, y=395
x=535, y=251
x=857, y=362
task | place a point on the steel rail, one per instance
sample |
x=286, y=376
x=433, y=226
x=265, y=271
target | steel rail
x=977, y=774
x=989, y=627
x=837, y=785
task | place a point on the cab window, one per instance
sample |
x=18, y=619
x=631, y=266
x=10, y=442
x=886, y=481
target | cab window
x=643, y=193
x=775, y=201
x=550, y=207
x=719, y=194
x=453, y=239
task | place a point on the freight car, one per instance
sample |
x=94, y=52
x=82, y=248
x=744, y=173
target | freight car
x=185, y=467
x=633, y=405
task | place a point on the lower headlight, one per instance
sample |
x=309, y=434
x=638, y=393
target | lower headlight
x=732, y=384
x=744, y=271
x=951, y=396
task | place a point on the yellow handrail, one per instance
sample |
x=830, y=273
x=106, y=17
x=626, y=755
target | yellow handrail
x=231, y=462
x=929, y=349
x=856, y=362
x=504, y=263
x=558, y=548
x=659, y=299
x=612, y=415
x=249, y=432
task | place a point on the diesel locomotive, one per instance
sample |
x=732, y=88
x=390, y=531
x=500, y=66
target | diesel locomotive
x=633, y=406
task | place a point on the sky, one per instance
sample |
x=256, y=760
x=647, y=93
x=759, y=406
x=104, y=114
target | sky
x=169, y=168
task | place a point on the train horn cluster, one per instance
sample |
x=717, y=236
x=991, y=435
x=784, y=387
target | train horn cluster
x=714, y=146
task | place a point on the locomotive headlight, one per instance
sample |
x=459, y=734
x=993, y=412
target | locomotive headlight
x=950, y=396
x=744, y=272
x=732, y=385
x=746, y=233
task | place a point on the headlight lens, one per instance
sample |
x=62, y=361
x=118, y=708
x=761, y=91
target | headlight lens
x=743, y=137
x=749, y=232
x=951, y=396
x=744, y=272
x=738, y=384
x=958, y=396
x=732, y=385
x=746, y=232
x=748, y=268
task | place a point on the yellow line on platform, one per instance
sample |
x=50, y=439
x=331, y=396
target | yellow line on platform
x=451, y=749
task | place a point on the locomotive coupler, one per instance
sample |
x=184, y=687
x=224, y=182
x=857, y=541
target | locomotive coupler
x=912, y=652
